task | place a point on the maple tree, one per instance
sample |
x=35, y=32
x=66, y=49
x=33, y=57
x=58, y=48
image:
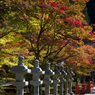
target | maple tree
x=47, y=30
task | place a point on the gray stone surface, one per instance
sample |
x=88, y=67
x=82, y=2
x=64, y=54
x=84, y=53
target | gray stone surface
x=20, y=72
x=60, y=78
x=56, y=80
x=36, y=72
x=47, y=79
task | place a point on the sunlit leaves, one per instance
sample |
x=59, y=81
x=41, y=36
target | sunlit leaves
x=47, y=29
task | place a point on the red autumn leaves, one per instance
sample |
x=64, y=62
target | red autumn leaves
x=73, y=21
x=60, y=9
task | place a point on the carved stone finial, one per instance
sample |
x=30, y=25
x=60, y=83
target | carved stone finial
x=20, y=60
x=61, y=64
x=48, y=66
x=48, y=70
x=36, y=64
x=61, y=68
x=67, y=70
x=71, y=71
x=56, y=69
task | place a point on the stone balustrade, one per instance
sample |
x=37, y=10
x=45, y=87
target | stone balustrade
x=60, y=78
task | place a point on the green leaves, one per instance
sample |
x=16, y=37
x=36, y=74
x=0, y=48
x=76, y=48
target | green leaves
x=53, y=29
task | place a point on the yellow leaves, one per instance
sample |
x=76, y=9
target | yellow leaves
x=6, y=62
x=52, y=39
x=86, y=51
x=82, y=32
x=28, y=61
x=1, y=1
x=43, y=53
x=59, y=35
x=88, y=28
x=80, y=17
x=81, y=14
x=83, y=72
x=34, y=21
x=78, y=64
x=29, y=65
x=4, y=40
x=83, y=55
x=69, y=33
x=34, y=24
x=85, y=69
x=45, y=16
x=75, y=8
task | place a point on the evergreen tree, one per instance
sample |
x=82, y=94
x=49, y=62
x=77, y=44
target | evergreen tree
x=91, y=10
x=85, y=12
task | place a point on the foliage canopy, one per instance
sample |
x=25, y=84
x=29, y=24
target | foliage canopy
x=48, y=30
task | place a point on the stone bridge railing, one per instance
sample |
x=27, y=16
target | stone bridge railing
x=60, y=77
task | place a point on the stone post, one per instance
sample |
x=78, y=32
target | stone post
x=36, y=82
x=56, y=80
x=66, y=83
x=70, y=81
x=47, y=80
x=62, y=80
x=20, y=72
